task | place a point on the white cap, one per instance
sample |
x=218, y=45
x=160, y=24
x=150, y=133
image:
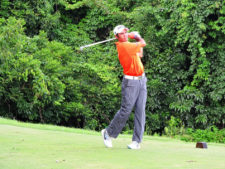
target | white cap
x=119, y=29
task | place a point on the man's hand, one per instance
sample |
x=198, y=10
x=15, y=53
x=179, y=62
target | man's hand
x=134, y=35
x=137, y=37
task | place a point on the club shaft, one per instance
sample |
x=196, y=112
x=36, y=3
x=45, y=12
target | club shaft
x=85, y=46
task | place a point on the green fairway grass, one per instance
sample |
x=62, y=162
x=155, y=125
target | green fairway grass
x=36, y=146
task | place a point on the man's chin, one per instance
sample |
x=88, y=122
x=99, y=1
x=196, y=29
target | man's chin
x=123, y=40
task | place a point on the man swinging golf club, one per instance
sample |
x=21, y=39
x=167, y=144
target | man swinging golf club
x=134, y=91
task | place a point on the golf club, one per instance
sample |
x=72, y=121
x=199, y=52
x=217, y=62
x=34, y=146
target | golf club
x=86, y=46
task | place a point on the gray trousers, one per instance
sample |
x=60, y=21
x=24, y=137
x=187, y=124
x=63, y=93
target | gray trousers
x=134, y=94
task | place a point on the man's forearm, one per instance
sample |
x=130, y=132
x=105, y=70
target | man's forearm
x=141, y=40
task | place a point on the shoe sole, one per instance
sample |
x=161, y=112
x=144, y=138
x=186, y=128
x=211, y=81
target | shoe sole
x=103, y=131
x=133, y=148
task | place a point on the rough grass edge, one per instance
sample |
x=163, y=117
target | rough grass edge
x=12, y=122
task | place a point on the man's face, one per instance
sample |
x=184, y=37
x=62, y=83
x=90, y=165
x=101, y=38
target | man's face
x=123, y=36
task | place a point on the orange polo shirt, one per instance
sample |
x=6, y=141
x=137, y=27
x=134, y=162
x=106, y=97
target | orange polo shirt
x=129, y=58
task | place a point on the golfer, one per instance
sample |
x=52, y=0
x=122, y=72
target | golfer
x=134, y=91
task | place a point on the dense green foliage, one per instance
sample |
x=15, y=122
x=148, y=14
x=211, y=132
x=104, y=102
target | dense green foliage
x=46, y=81
x=211, y=134
x=44, y=78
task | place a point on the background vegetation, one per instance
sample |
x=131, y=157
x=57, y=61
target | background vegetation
x=44, y=78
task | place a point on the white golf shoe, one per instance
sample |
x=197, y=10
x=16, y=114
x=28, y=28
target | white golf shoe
x=106, y=138
x=134, y=145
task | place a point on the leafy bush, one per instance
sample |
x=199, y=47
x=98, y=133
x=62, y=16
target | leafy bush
x=212, y=134
x=46, y=81
x=174, y=127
